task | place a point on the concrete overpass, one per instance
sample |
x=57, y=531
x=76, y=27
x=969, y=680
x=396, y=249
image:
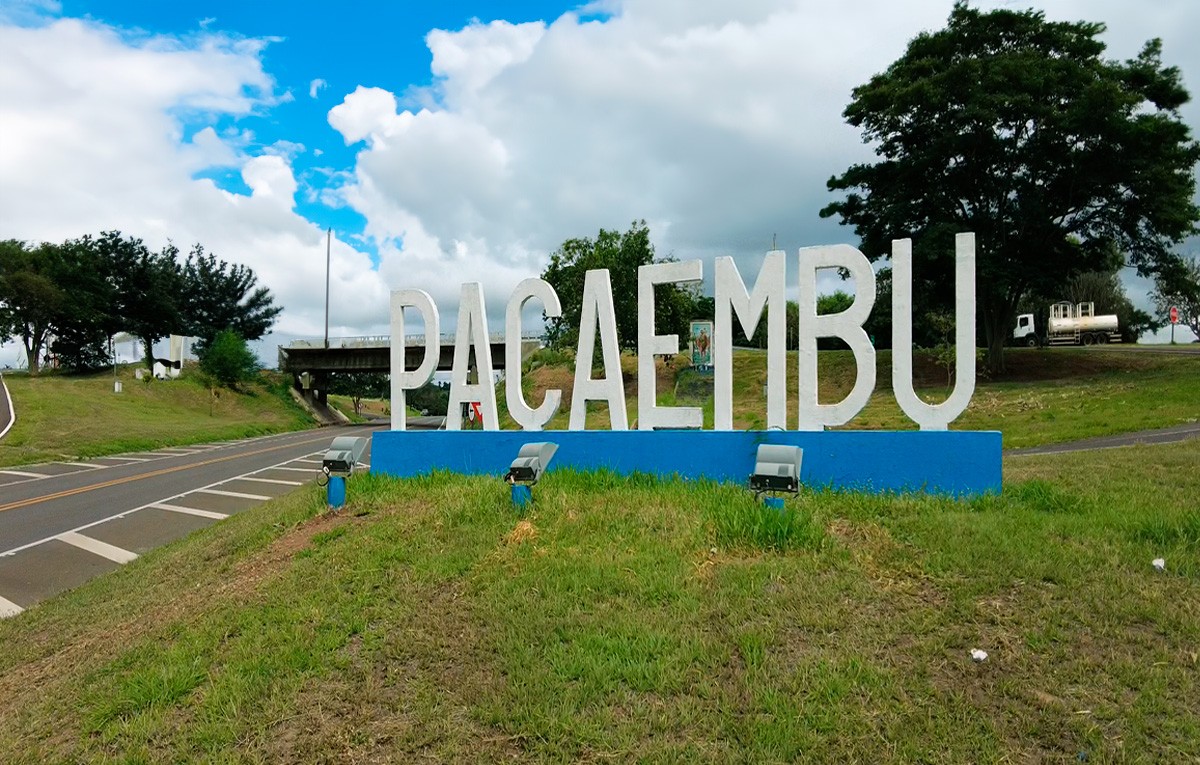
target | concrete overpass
x=311, y=362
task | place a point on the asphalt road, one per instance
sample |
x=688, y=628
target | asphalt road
x=62, y=523
x=1169, y=435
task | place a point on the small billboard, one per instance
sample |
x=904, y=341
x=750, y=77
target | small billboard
x=701, y=343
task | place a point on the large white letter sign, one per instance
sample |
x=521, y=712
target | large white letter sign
x=847, y=325
x=598, y=313
x=769, y=294
x=527, y=418
x=472, y=332
x=401, y=379
x=650, y=414
x=934, y=416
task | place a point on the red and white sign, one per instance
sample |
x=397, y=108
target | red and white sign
x=1174, y=315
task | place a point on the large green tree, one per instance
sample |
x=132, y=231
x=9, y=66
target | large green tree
x=219, y=296
x=30, y=298
x=146, y=286
x=621, y=254
x=83, y=327
x=1018, y=129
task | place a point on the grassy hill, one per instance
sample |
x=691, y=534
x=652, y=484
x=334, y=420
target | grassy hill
x=66, y=417
x=638, y=619
x=627, y=619
x=1048, y=396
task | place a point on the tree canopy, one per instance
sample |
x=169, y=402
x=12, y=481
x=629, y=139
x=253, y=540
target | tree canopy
x=1017, y=128
x=621, y=254
x=79, y=293
x=218, y=295
x=31, y=301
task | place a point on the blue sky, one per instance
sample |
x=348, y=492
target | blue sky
x=448, y=142
x=314, y=47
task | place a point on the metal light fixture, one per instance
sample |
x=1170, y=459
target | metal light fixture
x=776, y=470
x=339, y=462
x=526, y=470
x=343, y=455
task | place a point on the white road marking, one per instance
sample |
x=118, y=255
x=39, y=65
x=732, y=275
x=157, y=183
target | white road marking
x=318, y=462
x=238, y=494
x=269, y=480
x=96, y=547
x=23, y=474
x=190, y=511
x=129, y=459
x=78, y=464
x=8, y=608
x=294, y=470
x=12, y=412
x=123, y=513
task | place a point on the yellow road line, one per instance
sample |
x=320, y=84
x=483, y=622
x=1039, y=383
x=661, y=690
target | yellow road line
x=118, y=481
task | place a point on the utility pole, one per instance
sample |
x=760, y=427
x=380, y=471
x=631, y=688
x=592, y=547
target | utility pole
x=328, y=245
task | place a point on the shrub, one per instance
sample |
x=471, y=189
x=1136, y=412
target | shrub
x=228, y=359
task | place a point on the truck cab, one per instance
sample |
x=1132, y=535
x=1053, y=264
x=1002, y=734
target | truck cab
x=1023, y=333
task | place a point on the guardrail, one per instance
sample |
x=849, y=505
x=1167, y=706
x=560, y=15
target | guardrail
x=385, y=341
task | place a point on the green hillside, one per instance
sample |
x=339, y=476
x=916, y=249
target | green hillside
x=69, y=417
x=631, y=619
x=1048, y=396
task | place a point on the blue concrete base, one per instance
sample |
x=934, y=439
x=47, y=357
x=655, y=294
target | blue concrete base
x=942, y=462
x=335, y=493
x=773, y=503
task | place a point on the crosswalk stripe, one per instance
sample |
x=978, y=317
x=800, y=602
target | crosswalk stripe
x=269, y=480
x=8, y=608
x=96, y=547
x=190, y=511
x=237, y=494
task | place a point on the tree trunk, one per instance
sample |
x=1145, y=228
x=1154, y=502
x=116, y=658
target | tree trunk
x=148, y=344
x=33, y=350
x=994, y=322
x=32, y=356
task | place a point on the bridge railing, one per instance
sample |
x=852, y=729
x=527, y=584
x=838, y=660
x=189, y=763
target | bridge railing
x=385, y=341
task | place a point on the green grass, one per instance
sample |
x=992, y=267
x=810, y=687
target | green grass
x=70, y=417
x=1047, y=396
x=636, y=619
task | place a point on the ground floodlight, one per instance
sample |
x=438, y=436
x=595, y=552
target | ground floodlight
x=343, y=455
x=532, y=460
x=776, y=469
x=338, y=464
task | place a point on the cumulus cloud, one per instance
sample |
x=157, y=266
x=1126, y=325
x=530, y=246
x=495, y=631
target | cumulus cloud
x=719, y=123
x=93, y=140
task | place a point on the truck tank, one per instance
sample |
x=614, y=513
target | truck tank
x=1106, y=323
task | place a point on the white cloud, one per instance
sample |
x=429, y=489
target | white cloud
x=93, y=140
x=719, y=123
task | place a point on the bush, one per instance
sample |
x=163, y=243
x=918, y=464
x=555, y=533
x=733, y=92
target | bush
x=228, y=359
